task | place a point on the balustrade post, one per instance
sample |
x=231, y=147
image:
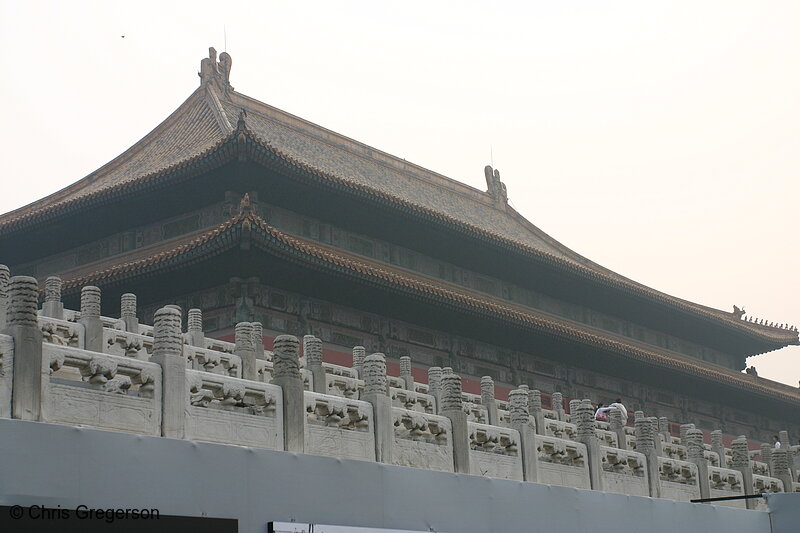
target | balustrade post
x=583, y=418
x=52, y=306
x=766, y=456
x=557, y=401
x=128, y=312
x=786, y=444
x=435, y=387
x=523, y=423
x=488, y=400
x=312, y=349
x=453, y=408
x=243, y=335
x=405, y=372
x=718, y=447
x=663, y=428
x=695, y=452
x=90, y=318
x=375, y=393
x=535, y=409
x=258, y=341
x=168, y=352
x=645, y=445
x=5, y=275
x=740, y=460
x=28, y=365
x=286, y=375
x=194, y=328
x=780, y=468
x=359, y=353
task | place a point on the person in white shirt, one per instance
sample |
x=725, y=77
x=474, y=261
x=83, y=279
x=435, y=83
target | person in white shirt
x=618, y=404
x=776, y=443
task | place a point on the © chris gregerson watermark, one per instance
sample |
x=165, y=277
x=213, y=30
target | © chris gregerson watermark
x=81, y=512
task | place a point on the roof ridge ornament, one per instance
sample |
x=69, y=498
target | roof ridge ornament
x=217, y=72
x=495, y=187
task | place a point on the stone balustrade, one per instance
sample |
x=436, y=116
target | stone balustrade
x=160, y=381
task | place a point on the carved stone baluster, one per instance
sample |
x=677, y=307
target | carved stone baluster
x=684, y=431
x=52, y=306
x=286, y=374
x=488, y=400
x=23, y=326
x=312, y=349
x=718, y=447
x=645, y=444
x=583, y=418
x=243, y=334
x=194, y=328
x=359, y=353
x=695, y=452
x=535, y=409
x=453, y=408
x=766, y=456
x=663, y=428
x=90, y=318
x=522, y=422
x=375, y=393
x=258, y=341
x=615, y=423
x=435, y=387
x=405, y=372
x=5, y=275
x=783, y=436
x=740, y=460
x=557, y=400
x=780, y=467
x=656, y=438
x=168, y=352
x=128, y=312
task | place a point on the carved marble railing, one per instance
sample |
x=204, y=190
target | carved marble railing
x=61, y=332
x=411, y=400
x=494, y=451
x=674, y=451
x=229, y=410
x=562, y=462
x=339, y=370
x=606, y=437
x=624, y=471
x=100, y=390
x=476, y=412
x=724, y=482
x=220, y=346
x=422, y=440
x=339, y=427
x=125, y=344
x=678, y=479
x=759, y=468
x=344, y=386
x=560, y=430
x=213, y=361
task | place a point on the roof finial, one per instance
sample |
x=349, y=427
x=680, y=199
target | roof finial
x=219, y=72
x=738, y=313
x=495, y=187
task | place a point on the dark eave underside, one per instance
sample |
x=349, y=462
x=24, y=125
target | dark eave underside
x=249, y=228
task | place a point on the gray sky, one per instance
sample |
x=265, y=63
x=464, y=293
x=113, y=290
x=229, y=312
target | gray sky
x=658, y=139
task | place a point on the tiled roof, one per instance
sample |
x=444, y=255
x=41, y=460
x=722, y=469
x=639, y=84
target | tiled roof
x=315, y=255
x=201, y=127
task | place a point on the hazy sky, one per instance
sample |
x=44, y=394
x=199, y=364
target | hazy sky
x=659, y=139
